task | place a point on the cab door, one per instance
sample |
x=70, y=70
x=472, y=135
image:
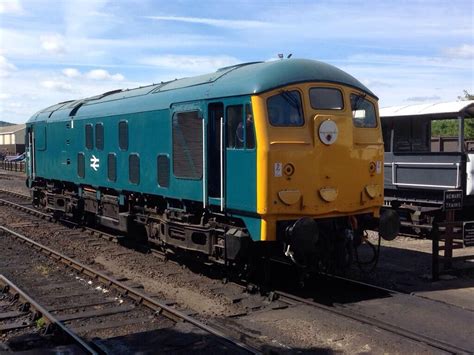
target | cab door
x=231, y=155
x=240, y=156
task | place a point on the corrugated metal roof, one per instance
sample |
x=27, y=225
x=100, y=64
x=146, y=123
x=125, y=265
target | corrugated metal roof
x=442, y=109
x=12, y=129
x=244, y=79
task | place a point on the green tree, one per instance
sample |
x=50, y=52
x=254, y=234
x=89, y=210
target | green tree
x=469, y=122
x=449, y=127
x=466, y=96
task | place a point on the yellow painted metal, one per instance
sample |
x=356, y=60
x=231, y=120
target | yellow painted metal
x=334, y=180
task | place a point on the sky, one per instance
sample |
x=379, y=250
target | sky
x=406, y=52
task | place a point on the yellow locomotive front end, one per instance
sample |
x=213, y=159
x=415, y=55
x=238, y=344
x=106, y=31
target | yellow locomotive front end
x=320, y=165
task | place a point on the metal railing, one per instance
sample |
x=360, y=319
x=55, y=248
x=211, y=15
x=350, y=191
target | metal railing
x=13, y=165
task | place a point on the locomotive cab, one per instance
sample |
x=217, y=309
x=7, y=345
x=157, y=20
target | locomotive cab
x=320, y=167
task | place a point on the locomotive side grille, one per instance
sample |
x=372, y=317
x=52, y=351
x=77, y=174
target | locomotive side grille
x=187, y=145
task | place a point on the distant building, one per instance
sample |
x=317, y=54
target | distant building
x=12, y=139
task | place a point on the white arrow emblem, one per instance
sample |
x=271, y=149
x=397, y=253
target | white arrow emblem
x=94, y=162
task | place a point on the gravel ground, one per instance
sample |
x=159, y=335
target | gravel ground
x=403, y=264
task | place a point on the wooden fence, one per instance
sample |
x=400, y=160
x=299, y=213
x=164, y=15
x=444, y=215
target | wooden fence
x=13, y=165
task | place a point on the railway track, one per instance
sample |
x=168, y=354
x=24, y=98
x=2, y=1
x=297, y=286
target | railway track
x=286, y=299
x=19, y=312
x=367, y=319
x=139, y=307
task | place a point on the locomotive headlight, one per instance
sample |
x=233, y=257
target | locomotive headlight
x=289, y=169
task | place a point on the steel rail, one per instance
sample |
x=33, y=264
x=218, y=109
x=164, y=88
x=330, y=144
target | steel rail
x=44, y=313
x=365, y=319
x=50, y=217
x=134, y=294
x=17, y=194
x=339, y=311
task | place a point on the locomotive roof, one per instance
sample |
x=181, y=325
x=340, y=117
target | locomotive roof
x=241, y=79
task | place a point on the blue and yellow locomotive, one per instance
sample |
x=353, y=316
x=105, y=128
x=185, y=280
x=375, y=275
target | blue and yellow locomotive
x=283, y=158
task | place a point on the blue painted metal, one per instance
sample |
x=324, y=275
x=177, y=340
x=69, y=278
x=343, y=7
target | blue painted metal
x=253, y=226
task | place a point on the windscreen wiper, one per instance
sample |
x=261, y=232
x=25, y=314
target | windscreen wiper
x=293, y=101
x=359, y=99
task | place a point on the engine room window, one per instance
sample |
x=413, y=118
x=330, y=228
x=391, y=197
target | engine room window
x=89, y=140
x=285, y=109
x=134, y=168
x=363, y=112
x=326, y=99
x=163, y=168
x=123, y=135
x=99, y=136
x=81, y=165
x=112, y=167
x=187, y=145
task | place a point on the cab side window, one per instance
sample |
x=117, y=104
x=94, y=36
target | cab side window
x=235, y=131
x=240, y=127
x=249, y=128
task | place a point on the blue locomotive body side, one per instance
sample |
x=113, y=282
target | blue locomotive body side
x=59, y=143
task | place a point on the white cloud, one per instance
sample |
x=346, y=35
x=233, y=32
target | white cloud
x=4, y=96
x=24, y=44
x=424, y=98
x=53, y=43
x=71, y=72
x=6, y=67
x=232, y=24
x=10, y=7
x=56, y=85
x=190, y=63
x=375, y=83
x=466, y=51
x=409, y=61
x=101, y=74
